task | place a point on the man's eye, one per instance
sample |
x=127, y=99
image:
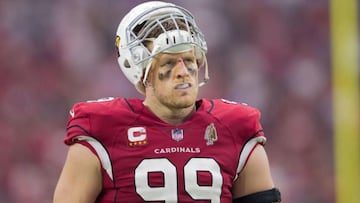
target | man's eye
x=189, y=60
x=167, y=63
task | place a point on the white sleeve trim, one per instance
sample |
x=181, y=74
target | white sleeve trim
x=101, y=152
x=245, y=153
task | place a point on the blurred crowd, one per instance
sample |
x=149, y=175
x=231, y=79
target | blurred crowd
x=271, y=54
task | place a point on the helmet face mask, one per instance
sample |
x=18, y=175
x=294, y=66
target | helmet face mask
x=137, y=30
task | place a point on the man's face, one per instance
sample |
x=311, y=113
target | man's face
x=174, y=79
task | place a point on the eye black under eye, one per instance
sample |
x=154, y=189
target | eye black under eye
x=164, y=75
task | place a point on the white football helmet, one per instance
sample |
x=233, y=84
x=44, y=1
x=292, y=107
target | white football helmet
x=135, y=58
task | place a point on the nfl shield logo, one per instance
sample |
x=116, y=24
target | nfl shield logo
x=177, y=134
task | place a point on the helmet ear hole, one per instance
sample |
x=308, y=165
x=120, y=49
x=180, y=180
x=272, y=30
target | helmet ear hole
x=126, y=64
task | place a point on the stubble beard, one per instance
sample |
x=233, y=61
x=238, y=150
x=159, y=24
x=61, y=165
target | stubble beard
x=177, y=102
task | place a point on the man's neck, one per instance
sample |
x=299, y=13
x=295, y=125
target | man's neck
x=174, y=116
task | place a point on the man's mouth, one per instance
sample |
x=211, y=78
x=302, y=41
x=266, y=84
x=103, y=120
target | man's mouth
x=183, y=86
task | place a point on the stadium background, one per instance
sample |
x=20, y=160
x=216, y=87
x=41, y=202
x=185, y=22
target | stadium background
x=271, y=54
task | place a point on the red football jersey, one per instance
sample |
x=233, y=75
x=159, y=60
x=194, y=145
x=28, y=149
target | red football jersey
x=147, y=160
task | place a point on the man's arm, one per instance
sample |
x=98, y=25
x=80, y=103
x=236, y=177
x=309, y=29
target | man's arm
x=255, y=177
x=80, y=180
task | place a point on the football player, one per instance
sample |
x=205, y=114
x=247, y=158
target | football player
x=171, y=146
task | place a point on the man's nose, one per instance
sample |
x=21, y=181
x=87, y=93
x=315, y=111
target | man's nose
x=181, y=69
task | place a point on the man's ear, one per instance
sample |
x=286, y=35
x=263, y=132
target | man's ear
x=140, y=87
